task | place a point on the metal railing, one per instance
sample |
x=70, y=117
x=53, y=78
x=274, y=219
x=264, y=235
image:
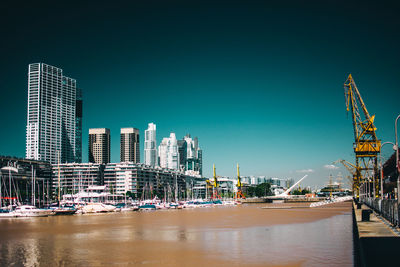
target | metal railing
x=387, y=208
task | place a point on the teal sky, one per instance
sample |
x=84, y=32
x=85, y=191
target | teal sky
x=259, y=82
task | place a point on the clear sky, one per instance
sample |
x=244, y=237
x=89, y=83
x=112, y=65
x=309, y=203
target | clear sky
x=258, y=82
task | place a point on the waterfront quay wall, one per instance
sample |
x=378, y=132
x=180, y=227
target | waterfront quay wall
x=307, y=199
x=298, y=199
x=376, y=243
x=254, y=200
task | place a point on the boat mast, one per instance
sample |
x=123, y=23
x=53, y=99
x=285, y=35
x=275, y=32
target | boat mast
x=176, y=188
x=59, y=178
x=9, y=180
x=43, y=192
x=33, y=187
x=1, y=196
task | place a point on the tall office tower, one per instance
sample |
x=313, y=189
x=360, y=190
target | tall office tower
x=182, y=150
x=51, y=115
x=130, y=148
x=173, y=155
x=168, y=152
x=190, y=155
x=163, y=153
x=99, y=145
x=150, y=150
x=78, y=126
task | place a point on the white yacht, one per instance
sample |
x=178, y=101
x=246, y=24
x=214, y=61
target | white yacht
x=97, y=208
x=6, y=213
x=93, y=194
x=31, y=211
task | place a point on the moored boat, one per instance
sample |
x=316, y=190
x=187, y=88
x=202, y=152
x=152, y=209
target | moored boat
x=97, y=208
x=5, y=213
x=147, y=207
x=66, y=210
x=31, y=211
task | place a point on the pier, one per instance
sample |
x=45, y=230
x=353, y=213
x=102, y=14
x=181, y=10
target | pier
x=376, y=242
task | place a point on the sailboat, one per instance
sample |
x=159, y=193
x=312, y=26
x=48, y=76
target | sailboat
x=62, y=210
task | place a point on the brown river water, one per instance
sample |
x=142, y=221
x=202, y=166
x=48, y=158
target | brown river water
x=244, y=235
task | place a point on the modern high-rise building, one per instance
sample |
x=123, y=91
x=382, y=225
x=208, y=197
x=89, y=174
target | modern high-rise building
x=78, y=126
x=182, y=149
x=150, y=149
x=76, y=177
x=99, y=145
x=168, y=153
x=51, y=118
x=163, y=153
x=190, y=155
x=118, y=178
x=130, y=148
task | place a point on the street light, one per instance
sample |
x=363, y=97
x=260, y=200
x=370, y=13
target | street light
x=395, y=149
x=381, y=174
x=397, y=159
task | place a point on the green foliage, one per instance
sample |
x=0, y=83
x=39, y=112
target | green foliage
x=227, y=195
x=261, y=190
x=300, y=191
x=130, y=194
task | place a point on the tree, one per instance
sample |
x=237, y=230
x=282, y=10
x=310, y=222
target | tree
x=261, y=190
x=300, y=191
x=130, y=194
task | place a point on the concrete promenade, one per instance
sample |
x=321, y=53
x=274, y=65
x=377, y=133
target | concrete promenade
x=376, y=243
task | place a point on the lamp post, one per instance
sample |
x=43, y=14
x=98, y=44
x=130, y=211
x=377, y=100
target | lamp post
x=397, y=159
x=381, y=174
x=394, y=148
x=1, y=196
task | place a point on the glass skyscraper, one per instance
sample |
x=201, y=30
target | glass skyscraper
x=190, y=155
x=168, y=152
x=150, y=148
x=51, y=119
x=78, y=126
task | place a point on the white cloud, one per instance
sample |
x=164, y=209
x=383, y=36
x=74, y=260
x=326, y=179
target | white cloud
x=330, y=167
x=305, y=171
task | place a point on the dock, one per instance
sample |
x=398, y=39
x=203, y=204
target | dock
x=376, y=242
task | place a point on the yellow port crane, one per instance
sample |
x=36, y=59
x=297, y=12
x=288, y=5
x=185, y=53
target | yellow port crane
x=213, y=185
x=349, y=166
x=239, y=193
x=366, y=145
x=215, y=182
x=209, y=187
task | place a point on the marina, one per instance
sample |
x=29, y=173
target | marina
x=200, y=133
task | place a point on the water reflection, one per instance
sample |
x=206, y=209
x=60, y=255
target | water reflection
x=196, y=237
x=325, y=242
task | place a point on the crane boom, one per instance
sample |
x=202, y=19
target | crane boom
x=348, y=165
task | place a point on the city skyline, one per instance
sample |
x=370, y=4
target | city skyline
x=260, y=84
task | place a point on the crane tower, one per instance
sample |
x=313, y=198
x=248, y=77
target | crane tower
x=215, y=184
x=239, y=193
x=366, y=145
